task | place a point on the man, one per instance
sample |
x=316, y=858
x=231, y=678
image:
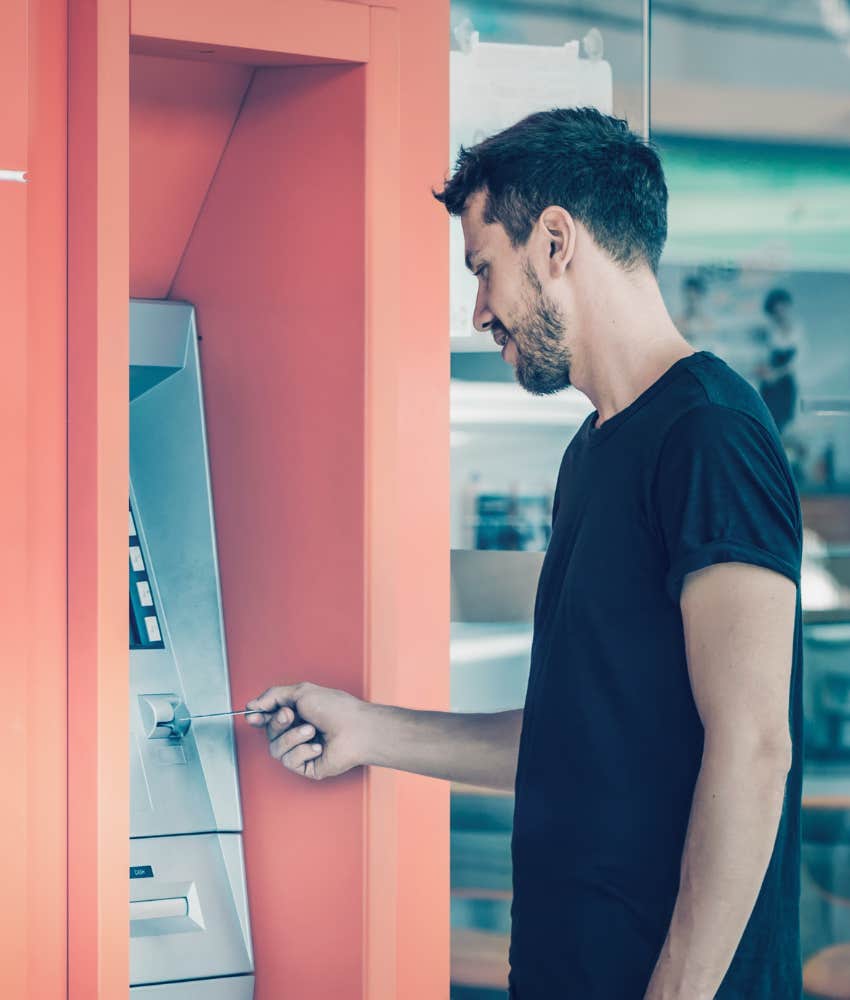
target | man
x=656, y=829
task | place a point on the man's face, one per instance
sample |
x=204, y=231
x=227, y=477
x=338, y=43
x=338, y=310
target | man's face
x=782, y=312
x=512, y=304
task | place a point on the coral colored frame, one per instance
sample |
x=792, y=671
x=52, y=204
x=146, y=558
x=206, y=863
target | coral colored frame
x=33, y=253
x=66, y=273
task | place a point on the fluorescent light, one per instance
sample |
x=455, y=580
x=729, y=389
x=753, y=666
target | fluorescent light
x=507, y=403
x=478, y=648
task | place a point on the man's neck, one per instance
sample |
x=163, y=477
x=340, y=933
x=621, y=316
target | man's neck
x=626, y=351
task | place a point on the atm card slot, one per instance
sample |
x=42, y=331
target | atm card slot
x=169, y=793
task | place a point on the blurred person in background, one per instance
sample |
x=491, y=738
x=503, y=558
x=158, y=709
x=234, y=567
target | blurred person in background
x=693, y=322
x=657, y=764
x=783, y=339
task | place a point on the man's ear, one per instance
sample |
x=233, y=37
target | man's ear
x=559, y=232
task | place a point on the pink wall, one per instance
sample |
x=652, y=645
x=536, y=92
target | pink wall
x=14, y=520
x=257, y=32
x=381, y=410
x=181, y=114
x=46, y=672
x=369, y=387
x=422, y=470
x=98, y=468
x=33, y=80
x=275, y=267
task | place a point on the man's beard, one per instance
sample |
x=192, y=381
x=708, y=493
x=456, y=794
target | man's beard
x=543, y=359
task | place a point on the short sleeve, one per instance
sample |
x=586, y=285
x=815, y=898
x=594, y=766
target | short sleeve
x=723, y=493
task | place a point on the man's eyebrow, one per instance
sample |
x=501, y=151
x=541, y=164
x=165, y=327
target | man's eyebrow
x=470, y=257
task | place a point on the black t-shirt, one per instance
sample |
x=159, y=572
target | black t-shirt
x=690, y=474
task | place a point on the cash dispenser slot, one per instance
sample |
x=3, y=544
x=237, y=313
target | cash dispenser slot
x=184, y=920
x=142, y=910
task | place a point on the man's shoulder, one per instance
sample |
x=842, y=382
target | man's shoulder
x=713, y=399
x=723, y=386
x=723, y=433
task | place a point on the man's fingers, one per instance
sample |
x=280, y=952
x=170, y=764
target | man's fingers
x=284, y=743
x=274, y=698
x=298, y=759
x=270, y=702
x=280, y=722
x=257, y=717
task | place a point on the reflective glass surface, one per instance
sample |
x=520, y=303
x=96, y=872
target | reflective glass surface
x=509, y=59
x=751, y=113
x=750, y=109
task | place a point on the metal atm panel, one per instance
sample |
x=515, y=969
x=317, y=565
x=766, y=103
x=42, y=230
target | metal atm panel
x=185, y=921
x=189, y=926
x=171, y=487
x=169, y=791
x=231, y=988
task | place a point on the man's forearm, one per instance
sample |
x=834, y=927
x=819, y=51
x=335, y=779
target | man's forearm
x=476, y=749
x=732, y=830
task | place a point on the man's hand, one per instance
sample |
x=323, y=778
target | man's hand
x=316, y=732
x=319, y=733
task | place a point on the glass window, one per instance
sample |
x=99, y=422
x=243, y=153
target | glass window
x=751, y=112
x=509, y=59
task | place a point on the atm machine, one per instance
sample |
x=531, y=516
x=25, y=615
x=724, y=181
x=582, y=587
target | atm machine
x=189, y=928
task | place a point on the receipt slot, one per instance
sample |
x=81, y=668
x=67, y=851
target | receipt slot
x=188, y=923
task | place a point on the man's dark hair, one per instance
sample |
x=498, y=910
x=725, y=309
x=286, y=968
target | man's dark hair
x=776, y=297
x=590, y=164
x=695, y=283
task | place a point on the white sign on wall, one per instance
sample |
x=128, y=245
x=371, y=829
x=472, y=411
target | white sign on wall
x=493, y=86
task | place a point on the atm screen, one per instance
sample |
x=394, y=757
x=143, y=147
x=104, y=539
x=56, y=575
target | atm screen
x=145, y=632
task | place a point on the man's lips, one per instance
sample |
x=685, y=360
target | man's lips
x=501, y=338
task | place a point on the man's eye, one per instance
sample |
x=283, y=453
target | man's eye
x=481, y=270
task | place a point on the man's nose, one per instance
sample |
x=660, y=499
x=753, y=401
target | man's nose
x=482, y=318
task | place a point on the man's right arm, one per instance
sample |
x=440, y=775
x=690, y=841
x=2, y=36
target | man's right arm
x=320, y=732
x=475, y=749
